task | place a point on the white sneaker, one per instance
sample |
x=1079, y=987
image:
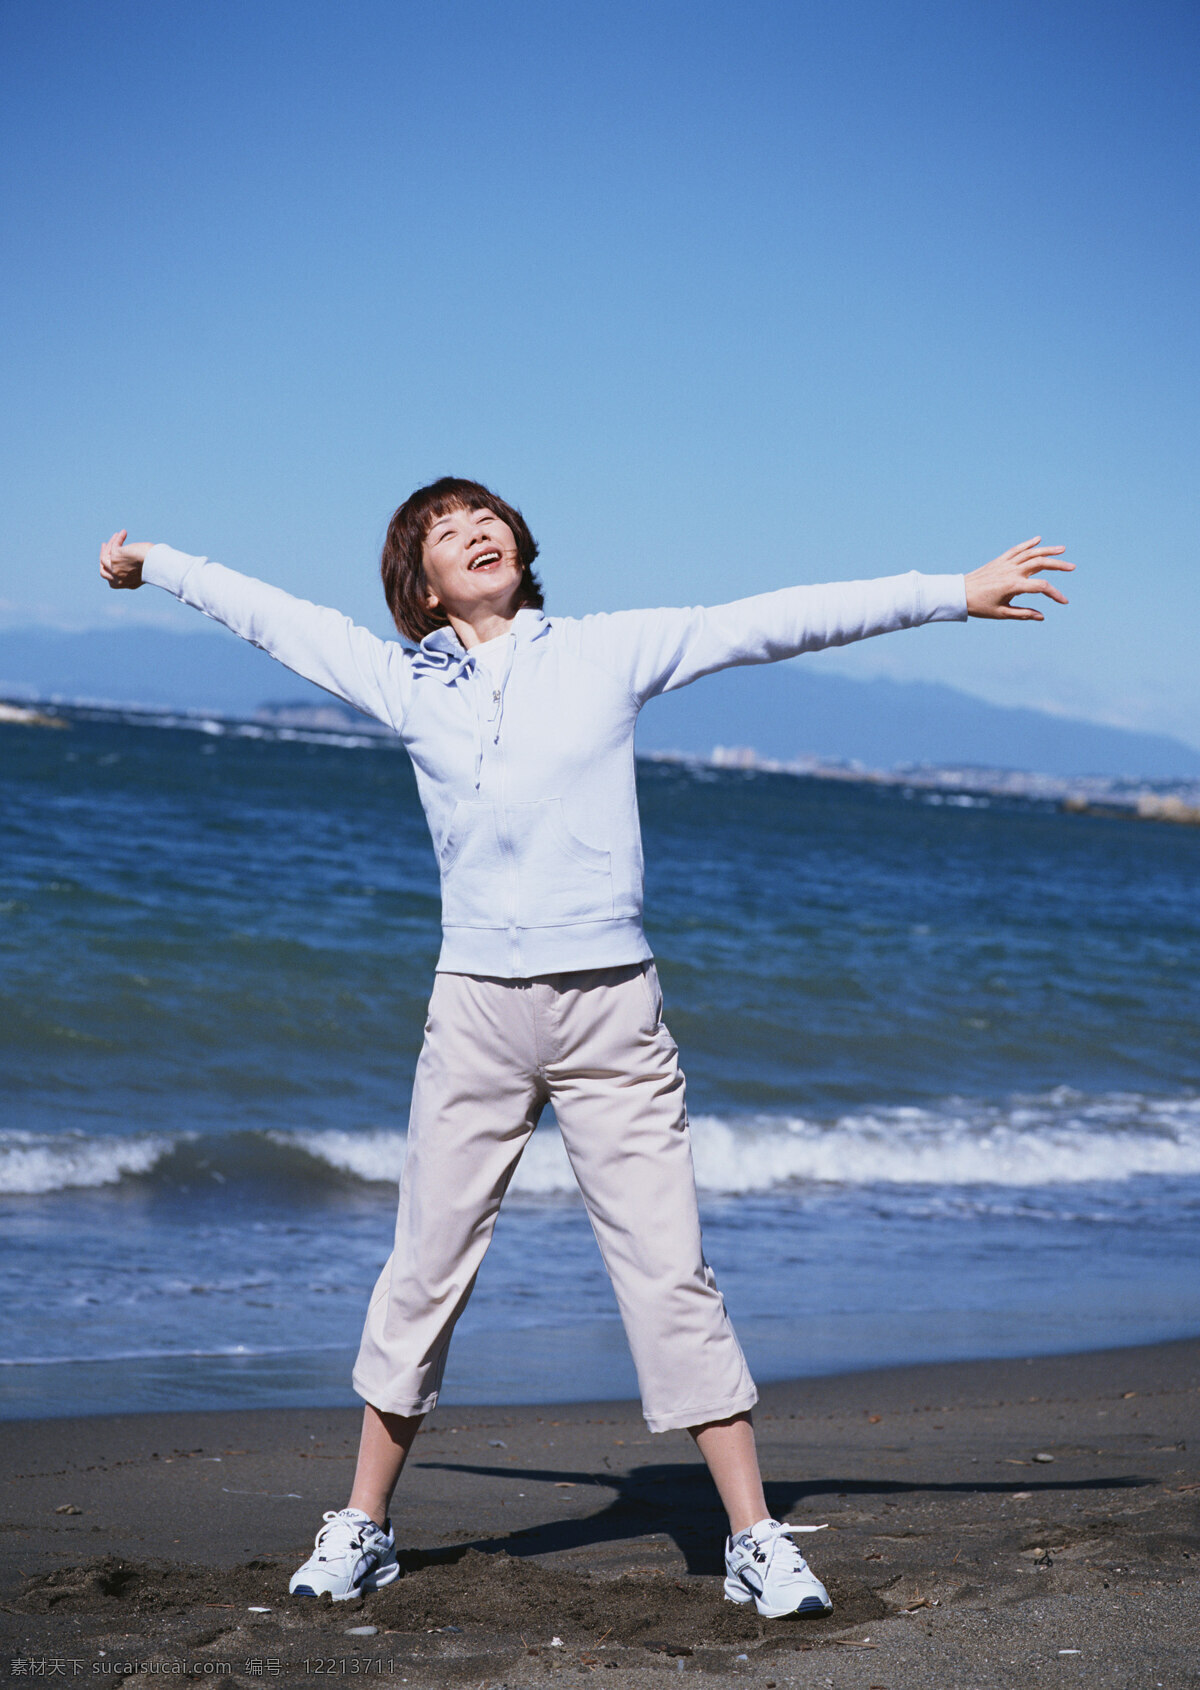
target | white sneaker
x=765, y=1567
x=351, y=1555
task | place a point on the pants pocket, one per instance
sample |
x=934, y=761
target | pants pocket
x=652, y=992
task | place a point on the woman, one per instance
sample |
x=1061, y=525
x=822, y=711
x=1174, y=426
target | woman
x=520, y=727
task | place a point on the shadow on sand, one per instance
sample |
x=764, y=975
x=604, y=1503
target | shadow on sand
x=679, y=1501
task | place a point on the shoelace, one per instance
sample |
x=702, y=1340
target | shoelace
x=775, y=1539
x=354, y=1541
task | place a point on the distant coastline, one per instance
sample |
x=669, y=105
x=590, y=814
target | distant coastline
x=967, y=784
x=1145, y=800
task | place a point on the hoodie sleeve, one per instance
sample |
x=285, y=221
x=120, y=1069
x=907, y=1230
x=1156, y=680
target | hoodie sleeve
x=322, y=645
x=658, y=651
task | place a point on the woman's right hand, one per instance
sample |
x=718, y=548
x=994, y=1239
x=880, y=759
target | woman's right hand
x=121, y=564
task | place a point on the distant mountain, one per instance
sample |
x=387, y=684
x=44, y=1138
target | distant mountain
x=784, y=710
x=781, y=710
x=207, y=670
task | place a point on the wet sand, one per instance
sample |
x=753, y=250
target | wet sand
x=991, y=1523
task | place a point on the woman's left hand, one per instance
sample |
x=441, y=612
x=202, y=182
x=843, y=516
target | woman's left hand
x=991, y=590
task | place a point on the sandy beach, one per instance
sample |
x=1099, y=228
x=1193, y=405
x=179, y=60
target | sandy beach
x=990, y=1523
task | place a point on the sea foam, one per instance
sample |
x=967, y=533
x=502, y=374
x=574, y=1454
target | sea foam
x=1059, y=1138
x=33, y=1163
x=1035, y=1143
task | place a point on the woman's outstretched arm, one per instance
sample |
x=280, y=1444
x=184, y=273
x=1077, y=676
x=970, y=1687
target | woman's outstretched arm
x=322, y=645
x=661, y=650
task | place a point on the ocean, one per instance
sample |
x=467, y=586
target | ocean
x=942, y=1053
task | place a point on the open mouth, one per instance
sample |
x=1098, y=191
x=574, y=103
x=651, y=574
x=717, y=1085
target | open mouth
x=484, y=560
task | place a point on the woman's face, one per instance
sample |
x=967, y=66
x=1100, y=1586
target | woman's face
x=470, y=561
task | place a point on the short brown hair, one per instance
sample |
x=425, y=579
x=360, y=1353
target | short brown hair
x=402, y=566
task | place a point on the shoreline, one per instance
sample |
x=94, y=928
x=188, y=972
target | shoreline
x=319, y=1380
x=984, y=1516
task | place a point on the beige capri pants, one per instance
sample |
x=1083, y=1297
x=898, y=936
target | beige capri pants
x=593, y=1044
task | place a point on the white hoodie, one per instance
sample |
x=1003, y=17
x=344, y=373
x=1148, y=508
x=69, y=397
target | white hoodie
x=525, y=763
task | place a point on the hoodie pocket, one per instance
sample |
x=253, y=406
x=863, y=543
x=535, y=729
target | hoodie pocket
x=560, y=878
x=472, y=869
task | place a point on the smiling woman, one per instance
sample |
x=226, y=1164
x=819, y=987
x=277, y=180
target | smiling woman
x=441, y=537
x=520, y=727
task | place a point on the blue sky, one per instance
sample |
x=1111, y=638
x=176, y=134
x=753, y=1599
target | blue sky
x=724, y=296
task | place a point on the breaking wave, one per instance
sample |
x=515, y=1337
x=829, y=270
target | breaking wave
x=32, y=1163
x=1059, y=1138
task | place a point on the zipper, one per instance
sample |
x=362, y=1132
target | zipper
x=504, y=840
x=500, y=801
